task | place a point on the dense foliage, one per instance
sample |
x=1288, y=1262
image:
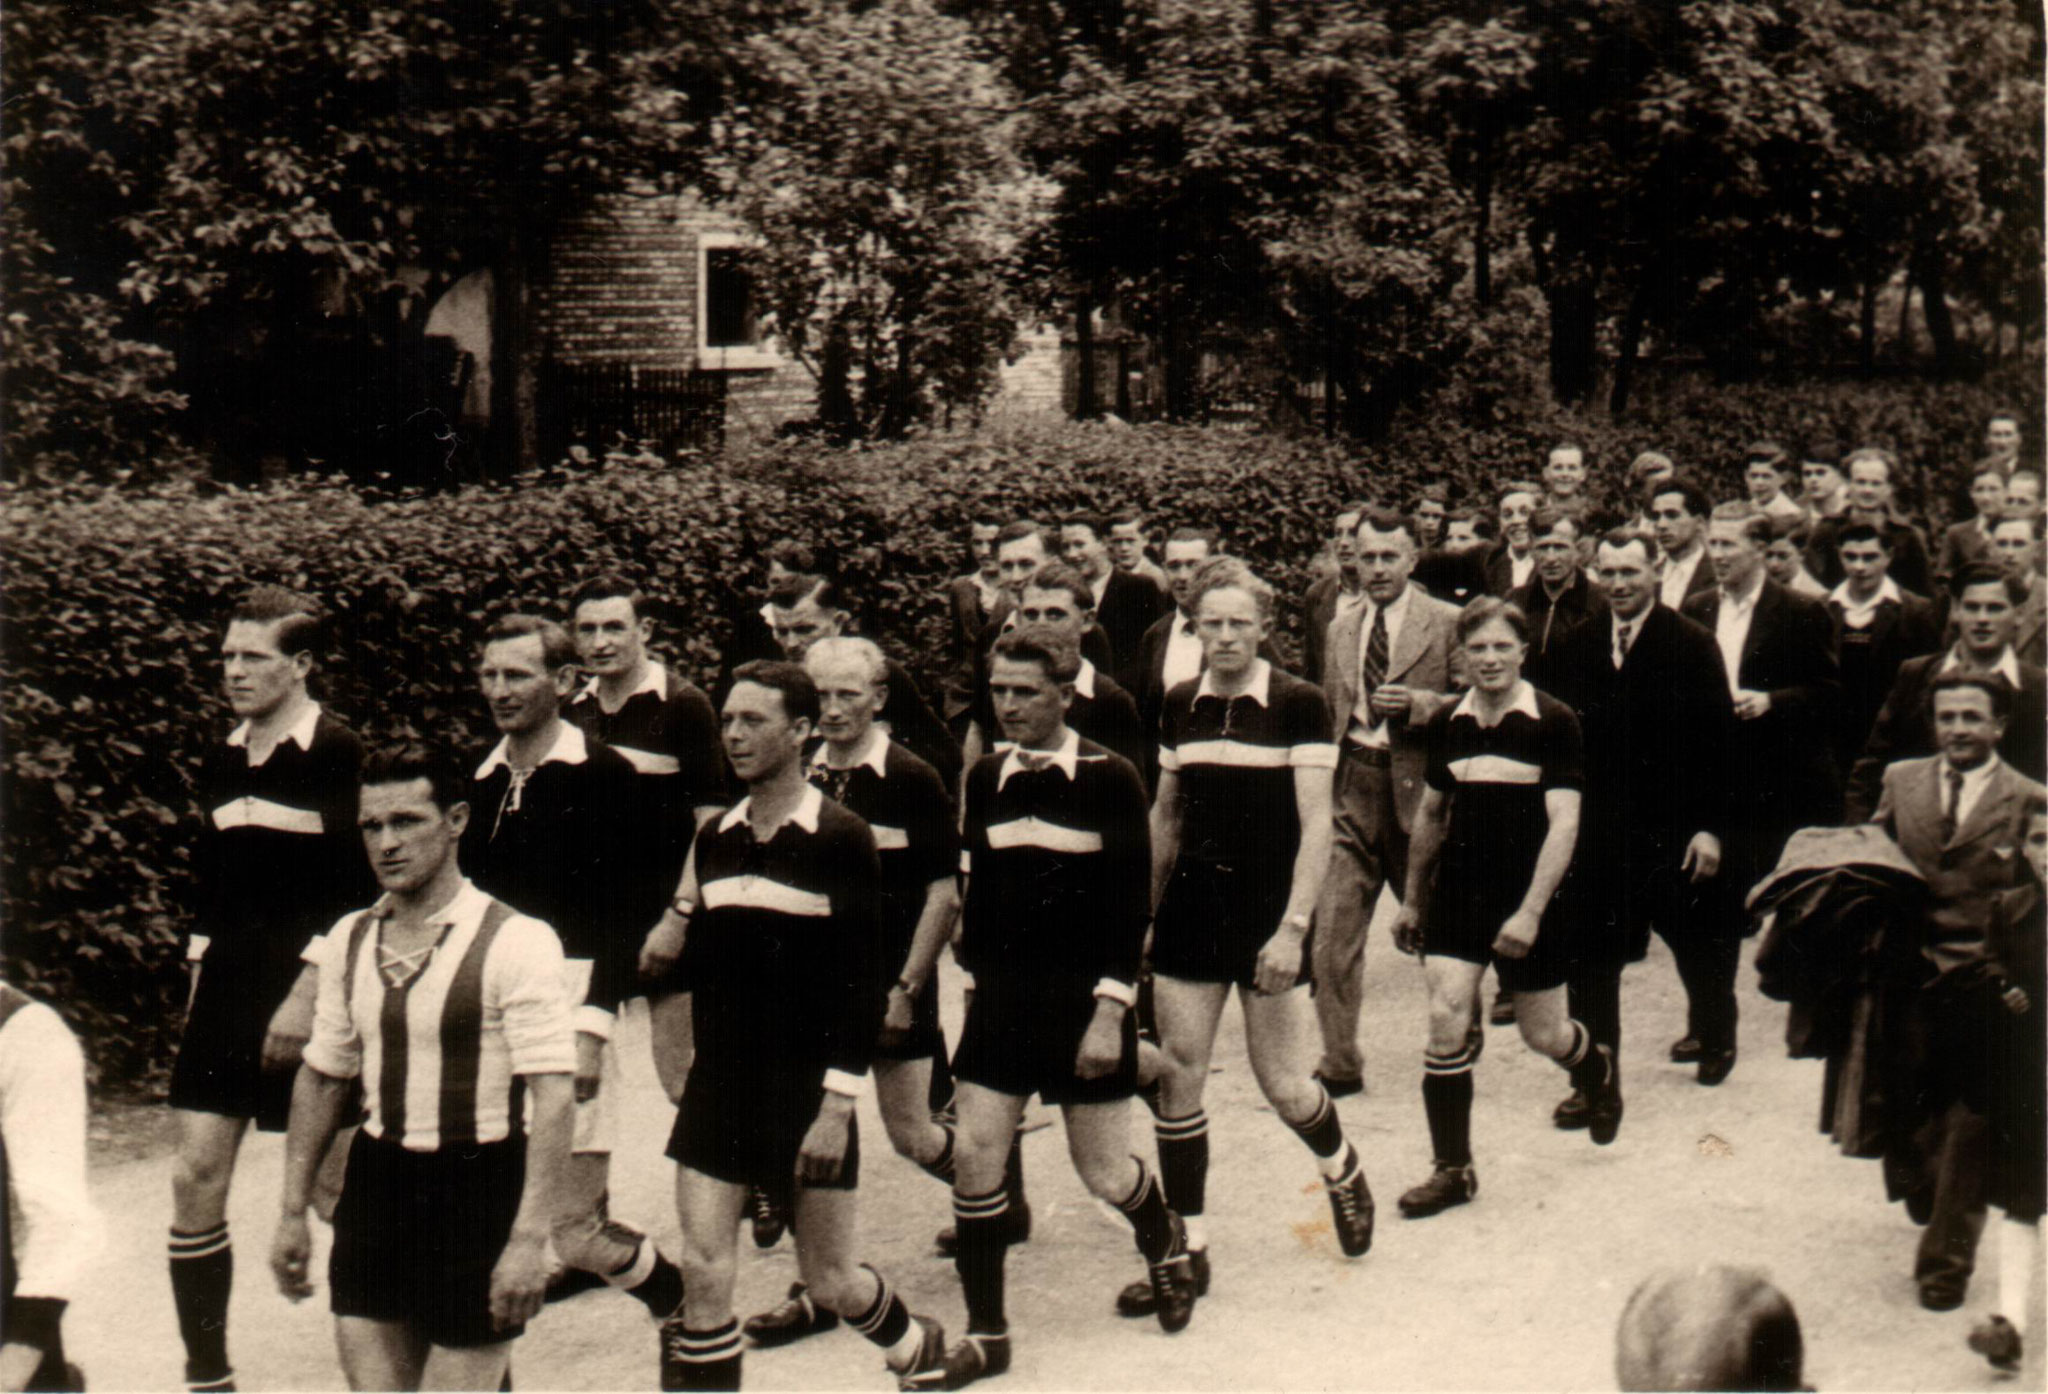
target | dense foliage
x=113, y=598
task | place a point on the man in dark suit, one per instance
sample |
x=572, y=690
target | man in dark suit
x=1984, y=604
x=1125, y=604
x=1511, y=561
x=2016, y=546
x=1385, y=674
x=1456, y=571
x=1872, y=483
x=1778, y=651
x=1878, y=626
x=1320, y=604
x=1558, y=598
x=1678, y=514
x=970, y=603
x=1970, y=540
x=1654, y=708
x=1961, y=818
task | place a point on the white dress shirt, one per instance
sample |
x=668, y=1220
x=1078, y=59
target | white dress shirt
x=1975, y=782
x=1678, y=573
x=1731, y=630
x=1367, y=729
x=2007, y=666
x=1183, y=661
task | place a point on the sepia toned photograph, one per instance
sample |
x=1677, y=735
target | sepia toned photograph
x=1035, y=694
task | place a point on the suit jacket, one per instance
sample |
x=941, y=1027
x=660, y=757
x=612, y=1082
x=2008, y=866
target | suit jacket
x=1317, y=607
x=1702, y=579
x=965, y=616
x=1904, y=730
x=1497, y=569
x=2030, y=634
x=1964, y=872
x=915, y=726
x=1129, y=605
x=1551, y=621
x=1962, y=544
x=1420, y=661
x=1150, y=693
x=1910, y=566
x=1783, y=761
x=1896, y=633
x=1451, y=576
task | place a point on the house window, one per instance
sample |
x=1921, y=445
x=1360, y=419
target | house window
x=729, y=334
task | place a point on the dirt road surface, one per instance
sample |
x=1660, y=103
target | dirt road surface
x=1519, y=1290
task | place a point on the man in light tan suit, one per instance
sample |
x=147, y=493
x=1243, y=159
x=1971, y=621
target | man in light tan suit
x=1386, y=668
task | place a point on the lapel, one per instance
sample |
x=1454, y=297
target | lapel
x=1340, y=658
x=1920, y=804
x=1993, y=809
x=1768, y=601
x=1412, y=642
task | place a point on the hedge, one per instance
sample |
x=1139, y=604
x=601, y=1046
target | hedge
x=113, y=600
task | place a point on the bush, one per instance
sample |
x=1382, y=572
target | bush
x=114, y=598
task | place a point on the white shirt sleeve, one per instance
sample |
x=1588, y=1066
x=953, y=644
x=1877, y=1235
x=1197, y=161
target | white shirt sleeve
x=335, y=1049
x=527, y=981
x=42, y=1119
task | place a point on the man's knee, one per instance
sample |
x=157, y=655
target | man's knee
x=1450, y=1018
x=204, y=1167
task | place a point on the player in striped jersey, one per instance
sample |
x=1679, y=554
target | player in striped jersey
x=783, y=952
x=1240, y=842
x=906, y=808
x=1057, y=858
x=453, y=1011
x=1494, y=837
x=276, y=861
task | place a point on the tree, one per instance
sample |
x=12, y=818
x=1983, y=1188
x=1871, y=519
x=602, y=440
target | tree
x=872, y=155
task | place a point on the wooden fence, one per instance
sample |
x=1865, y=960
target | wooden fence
x=596, y=404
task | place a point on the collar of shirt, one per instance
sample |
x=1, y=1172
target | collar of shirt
x=569, y=749
x=1674, y=564
x=1259, y=689
x=1632, y=628
x=1064, y=757
x=2007, y=666
x=466, y=905
x=654, y=680
x=1100, y=586
x=1523, y=701
x=875, y=756
x=804, y=815
x=300, y=734
x=1397, y=611
x=1742, y=604
x=1084, y=681
x=1857, y=613
x=1974, y=782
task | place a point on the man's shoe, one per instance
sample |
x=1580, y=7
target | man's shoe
x=1686, y=1050
x=927, y=1369
x=976, y=1358
x=1998, y=1341
x=1716, y=1065
x=1341, y=1086
x=1137, y=1299
x=1173, y=1284
x=1574, y=1113
x=1940, y=1297
x=1352, y=1208
x=946, y=1244
x=768, y=1217
x=1447, y=1186
x=793, y=1320
x=1604, y=1106
x=1503, y=1013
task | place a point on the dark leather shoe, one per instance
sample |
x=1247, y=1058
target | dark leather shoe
x=1503, y=1013
x=1352, y=1210
x=1138, y=1300
x=1341, y=1086
x=1603, y=1118
x=1574, y=1113
x=1173, y=1284
x=795, y=1319
x=1447, y=1186
x=1716, y=1065
x=976, y=1358
x=768, y=1218
x=1940, y=1297
x=1998, y=1342
x=1685, y=1051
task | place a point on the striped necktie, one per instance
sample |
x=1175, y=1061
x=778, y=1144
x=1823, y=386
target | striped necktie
x=1952, y=805
x=1373, y=671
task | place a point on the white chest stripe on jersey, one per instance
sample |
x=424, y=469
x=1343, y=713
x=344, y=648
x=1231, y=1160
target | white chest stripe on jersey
x=760, y=893
x=889, y=839
x=650, y=762
x=1495, y=769
x=1036, y=832
x=252, y=812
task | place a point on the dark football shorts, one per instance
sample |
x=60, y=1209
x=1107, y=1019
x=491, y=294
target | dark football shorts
x=1215, y=917
x=926, y=1040
x=1465, y=928
x=416, y=1235
x=220, y=1059
x=749, y=1130
x=1021, y=1039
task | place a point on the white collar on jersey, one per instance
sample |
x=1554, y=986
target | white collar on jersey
x=1260, y=690
x=301, y=732
x=654, y=680
x=2007, y=666
x=468, y=902
x=569, y=749
x=1524, y=702
x=1084, y=681
x=875, y=757
x=805, y=815
x=1064, y=757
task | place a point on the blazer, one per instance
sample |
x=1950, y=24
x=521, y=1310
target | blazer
x=1897, y=632
x=1904, y=730
x=1497, y=569
x=1783, y=762
x=1656, y=733
x=1452, y=576
x=1128, y=606
x=1551, y=621
x=1964, y=872
x=1702, y=578
x=1910, y=566
x=1420, y=661
x=1317, y=607
x=1962, y=544
x=2030, y=633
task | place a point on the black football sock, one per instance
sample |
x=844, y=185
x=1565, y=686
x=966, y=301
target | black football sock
x=701, y=1360
x=202, y=1277
x=982, y=1223
x=1151, y=1221
x=1447, y=1099
x=1184, y=1161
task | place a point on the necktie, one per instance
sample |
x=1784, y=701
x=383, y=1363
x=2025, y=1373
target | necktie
x=1952, y=805
x=1620, y=645
x=1373, y=671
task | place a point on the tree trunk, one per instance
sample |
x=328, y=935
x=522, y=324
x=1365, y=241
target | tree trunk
x=835, y=383
x=1087, y=405
x=1902, y=341
x=1482, y=232
x=1631, y=341
x=1574, y=327
x=1866, y=328
x=514, y=443
x=1932, y=274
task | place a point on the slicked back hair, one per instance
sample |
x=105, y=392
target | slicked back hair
x=557, y=649
x=1629, y=535
x=406, y=761
x=608, y=588
x=1388, y=520
x=1231, y=573
x=1039, y=644
x=300, y=626
x=799, y=693
x=1992, y=685
x=1756, y=524
x=1986, y=573
x=1059, y=576
x=845, y=648
x=1485, y=610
